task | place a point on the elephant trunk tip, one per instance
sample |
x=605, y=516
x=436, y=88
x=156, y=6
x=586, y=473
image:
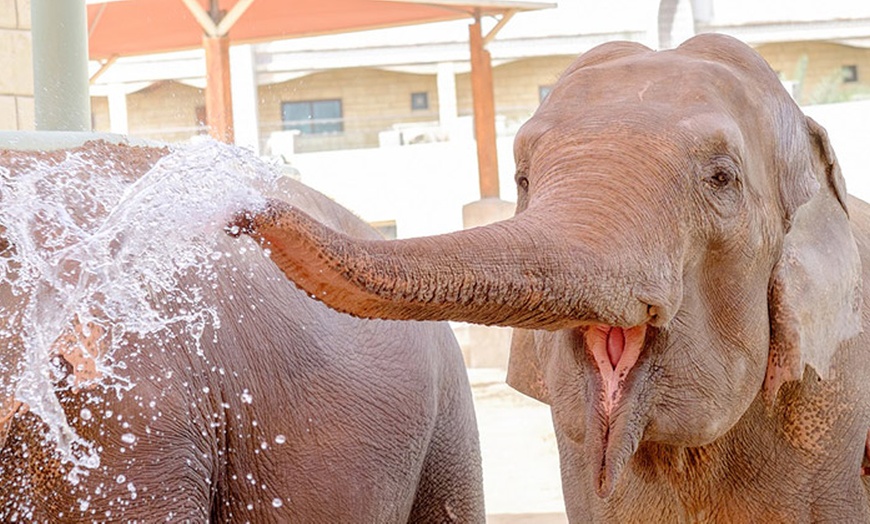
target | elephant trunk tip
x=249, y=221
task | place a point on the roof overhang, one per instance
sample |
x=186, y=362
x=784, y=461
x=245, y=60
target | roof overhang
x=134, y=27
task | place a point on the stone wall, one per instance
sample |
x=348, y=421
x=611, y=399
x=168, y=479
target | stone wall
x=817, y=69
x=373, y=100
x=16, y=66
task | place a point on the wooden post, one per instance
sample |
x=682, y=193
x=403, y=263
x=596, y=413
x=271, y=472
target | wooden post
x=484, y=112
x=218, y=96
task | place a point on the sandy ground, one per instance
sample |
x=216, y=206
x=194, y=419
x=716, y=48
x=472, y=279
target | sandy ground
x=520, y=460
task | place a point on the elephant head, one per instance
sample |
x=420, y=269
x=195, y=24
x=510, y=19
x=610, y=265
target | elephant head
x=681, y=247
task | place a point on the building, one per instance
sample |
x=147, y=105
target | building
x=381, y=120
x=411, y=85
x=16, y=82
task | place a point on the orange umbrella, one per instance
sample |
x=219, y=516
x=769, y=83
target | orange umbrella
x=130, y=27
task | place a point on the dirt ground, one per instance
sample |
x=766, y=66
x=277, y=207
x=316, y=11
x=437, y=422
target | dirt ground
x=520, y=460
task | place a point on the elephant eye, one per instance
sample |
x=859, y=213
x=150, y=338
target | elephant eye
x=720, y=179
x=721, y=174
x=523, y=182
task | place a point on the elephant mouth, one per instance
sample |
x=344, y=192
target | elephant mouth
x=616, y=423
x=615, y=351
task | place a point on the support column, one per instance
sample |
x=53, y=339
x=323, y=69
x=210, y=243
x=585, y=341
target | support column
x=118, y=110
x=60, y=65
x=447, y=105
x=484, y=112
x=244, y=99
x=218, y=105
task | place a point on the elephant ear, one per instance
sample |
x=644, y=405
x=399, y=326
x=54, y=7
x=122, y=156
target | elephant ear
x=524, y=372
x=815, y=295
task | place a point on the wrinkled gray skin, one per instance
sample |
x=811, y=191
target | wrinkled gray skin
x=681, y=204
x=377, y=418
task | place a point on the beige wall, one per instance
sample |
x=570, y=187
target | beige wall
x=515, y=86
x=163, y=111
x=372, y=101
x=375, y=100
x=817, y=66
x=16, y=66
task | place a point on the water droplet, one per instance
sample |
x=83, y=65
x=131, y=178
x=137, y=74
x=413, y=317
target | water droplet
x=246, y=396
x=120, y=479
x=85, y=414
x=277, y=503
x=280, y=439
x=128, y=438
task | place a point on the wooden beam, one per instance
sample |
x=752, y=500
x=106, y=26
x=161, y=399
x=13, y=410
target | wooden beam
x=104, y=66
x=202, y=17
x=505, y=18
x=484, y=112
x=218, y=98
x=233, y=16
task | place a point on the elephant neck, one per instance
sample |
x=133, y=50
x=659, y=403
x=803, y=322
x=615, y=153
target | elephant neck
x=735, y=478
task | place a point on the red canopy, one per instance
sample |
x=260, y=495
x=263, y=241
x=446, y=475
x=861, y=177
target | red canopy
x=131, y=27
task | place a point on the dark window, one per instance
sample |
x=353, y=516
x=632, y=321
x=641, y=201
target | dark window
x=543, y=91
x=313, y=117
x=419, y=101
x=850, y=73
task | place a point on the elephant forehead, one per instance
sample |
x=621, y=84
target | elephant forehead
x=666, y=83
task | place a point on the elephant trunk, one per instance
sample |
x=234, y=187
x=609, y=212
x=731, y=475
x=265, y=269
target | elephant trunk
x=519, y=273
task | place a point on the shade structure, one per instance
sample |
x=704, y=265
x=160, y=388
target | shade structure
x=133, y=27
x=130, y=27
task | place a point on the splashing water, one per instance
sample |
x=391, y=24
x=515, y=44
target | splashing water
x=94, y=248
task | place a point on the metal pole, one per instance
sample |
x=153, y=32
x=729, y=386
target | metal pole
x=60, y=65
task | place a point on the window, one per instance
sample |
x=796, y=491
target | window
x=313, y=117
x=419, y=101
x=543, y=91
x=850, y=73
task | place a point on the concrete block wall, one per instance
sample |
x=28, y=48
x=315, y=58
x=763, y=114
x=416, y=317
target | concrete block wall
x=164, y=111
x=515, y=86
x=16, y=66
x=372, y=101
x=822, y=79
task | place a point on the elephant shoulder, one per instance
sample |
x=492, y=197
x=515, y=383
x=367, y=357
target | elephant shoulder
x=322, y=208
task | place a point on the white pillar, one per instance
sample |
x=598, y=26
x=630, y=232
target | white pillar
x=60, y=65
x=447, y=106
x=243, y=78
x=118, y=110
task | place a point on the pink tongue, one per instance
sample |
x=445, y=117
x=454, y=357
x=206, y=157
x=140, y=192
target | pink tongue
x=615, y=345
x=615, y=351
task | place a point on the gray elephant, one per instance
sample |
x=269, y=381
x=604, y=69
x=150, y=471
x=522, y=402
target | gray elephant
x=288, y=412
x=685, y=268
